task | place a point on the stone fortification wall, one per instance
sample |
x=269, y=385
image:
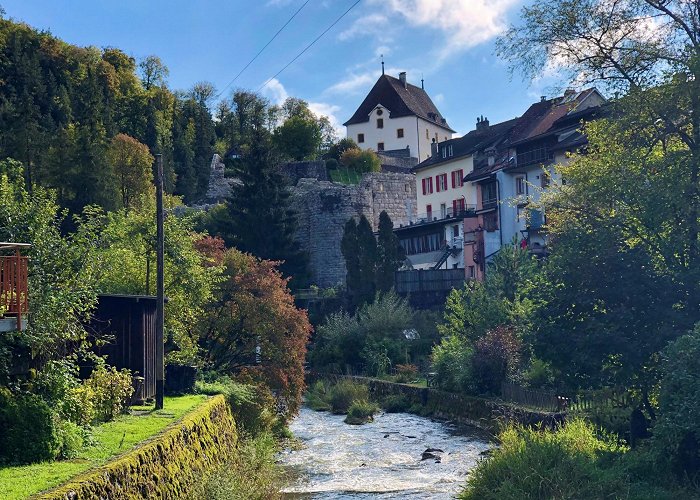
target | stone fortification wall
x=297, y=170
x=324, y=207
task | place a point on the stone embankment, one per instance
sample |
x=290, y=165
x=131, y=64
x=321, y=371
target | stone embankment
x=171, y=465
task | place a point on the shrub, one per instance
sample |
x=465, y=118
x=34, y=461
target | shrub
x=452, y=364
x=344, y=393
x=318, y=396
x=253, y=406
x=111, y=390
x=677, y=432
x=57, y=383
x=496, y=356
x=360, y=412
x=361, y=161
x=71, y=438
x=406, y=373
x=28, y=429
x=396, y=403
x=566, y=463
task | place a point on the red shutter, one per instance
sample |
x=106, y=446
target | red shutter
x=454, y=207
x=454, y=184
x=424, y=189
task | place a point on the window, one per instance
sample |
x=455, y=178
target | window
x=399, y=133
x=520, y=186
x=454, y=266
x=457, y=207
x=444, y=151
x=441, y=182
x=421, y=244
x=380, y=146
x=379, y=112
x=427, y=185
x=457, y=178
x=455, y=231
x=360, y=138
x=489, y=195
x=427, y=134
x=491, y=221
x=443, y=210
x=380, y=122
x=449, y=150
x=471, y=272
x=429, y=211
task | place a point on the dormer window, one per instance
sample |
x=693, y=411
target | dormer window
x=379, y=112
x=380, y=122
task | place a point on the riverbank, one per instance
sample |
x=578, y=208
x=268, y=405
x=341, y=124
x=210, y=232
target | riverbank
x=170, y=465
x=486, y=414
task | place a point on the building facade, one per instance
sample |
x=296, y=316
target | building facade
x=397, y=115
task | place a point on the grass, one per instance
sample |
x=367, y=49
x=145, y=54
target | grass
x=110, y=439
x=345, y=176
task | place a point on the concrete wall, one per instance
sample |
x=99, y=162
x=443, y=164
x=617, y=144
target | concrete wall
x=324, y=207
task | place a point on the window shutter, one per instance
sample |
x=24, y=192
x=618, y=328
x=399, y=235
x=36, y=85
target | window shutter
x=453, y=180
x=437, y=182
x=424, y=190
x=454, y=207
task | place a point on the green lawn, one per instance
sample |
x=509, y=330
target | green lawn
x=112, y=438
x=345, y=176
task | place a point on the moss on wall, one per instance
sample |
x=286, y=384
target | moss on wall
x=171, y=465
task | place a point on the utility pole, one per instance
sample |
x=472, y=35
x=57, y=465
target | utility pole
x=160, y=297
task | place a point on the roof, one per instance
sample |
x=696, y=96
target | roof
x=476, y=140
x=410, y=101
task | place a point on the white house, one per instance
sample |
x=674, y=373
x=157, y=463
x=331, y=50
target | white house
x=396, y=115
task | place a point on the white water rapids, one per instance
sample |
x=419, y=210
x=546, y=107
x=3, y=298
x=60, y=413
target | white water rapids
x=380, y=459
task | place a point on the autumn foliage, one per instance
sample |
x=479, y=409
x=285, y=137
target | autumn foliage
x=253, y=329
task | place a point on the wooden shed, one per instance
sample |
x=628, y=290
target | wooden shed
x=125, y=326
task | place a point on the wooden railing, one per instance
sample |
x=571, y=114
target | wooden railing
x=543, y=400
x=13, y=286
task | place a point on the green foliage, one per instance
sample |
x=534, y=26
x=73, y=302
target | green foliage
x=344, y=393
x=299, y=137
x=360, y=161
x=359, y=249
x=567, y=463
x=390, y=254
x=29, y=430
x=110, y=390
x=395, y=403
x=336, y=150
x=452, y=364
x=496, y=358
x=406, y=373
x=317, y=396
x=361, y=411
x=251, y=473
x=677, y=431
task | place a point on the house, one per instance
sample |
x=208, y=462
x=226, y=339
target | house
x=14, y=302
x=397, y=115
x=511, y=172
x=435, y=238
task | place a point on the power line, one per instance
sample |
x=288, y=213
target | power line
x=309, y=46
x=262, y=50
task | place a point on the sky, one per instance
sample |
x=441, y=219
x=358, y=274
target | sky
x=450, y=43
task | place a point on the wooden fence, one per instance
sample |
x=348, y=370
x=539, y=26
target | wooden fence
x=428, y=280
x=543, y=400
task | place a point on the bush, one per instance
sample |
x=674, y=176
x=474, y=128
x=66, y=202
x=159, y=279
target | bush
x=396, y=403
x=406, y=373
x=361, y=412
x=58, y=384
x=677, y=432
x=71, y=438
x=318, y=396
x=567, y=463
x=452, y=364
x=111, y=390
x=28, y=429
x=496, y=357
x=252, y=406
x=344, y=393
x=361, y=161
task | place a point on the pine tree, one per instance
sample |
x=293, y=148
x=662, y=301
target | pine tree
x=258, y=217
x=351, y=253
x=390, y=255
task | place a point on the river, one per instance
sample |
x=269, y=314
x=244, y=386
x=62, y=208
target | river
x=381, y=459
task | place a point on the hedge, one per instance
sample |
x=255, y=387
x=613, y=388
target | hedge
x=171, y=465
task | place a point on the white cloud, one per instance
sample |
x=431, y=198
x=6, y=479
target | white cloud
x=372, y=24
x=329, y=110
x=275, y=91
x=354, y=83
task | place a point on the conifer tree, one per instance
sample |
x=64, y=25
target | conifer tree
x=390, y=255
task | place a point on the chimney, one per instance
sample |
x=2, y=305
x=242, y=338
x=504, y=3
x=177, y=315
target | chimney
x=569, y=91
x=434, y=148
x=482, y=123
x=402, y=77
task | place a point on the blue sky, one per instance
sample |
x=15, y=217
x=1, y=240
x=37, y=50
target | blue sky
x=449, y=42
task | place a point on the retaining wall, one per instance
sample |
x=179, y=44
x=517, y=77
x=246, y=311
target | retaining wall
x=171, y=465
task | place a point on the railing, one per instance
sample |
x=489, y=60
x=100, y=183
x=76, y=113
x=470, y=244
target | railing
x=539, y=155
x=438, y=215
x=428, y=280
x=13, y=285
x=543, y=400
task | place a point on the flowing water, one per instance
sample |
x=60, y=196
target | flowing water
x=380, y=459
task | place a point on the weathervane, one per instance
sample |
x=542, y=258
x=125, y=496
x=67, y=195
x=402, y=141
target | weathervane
x=382, y=56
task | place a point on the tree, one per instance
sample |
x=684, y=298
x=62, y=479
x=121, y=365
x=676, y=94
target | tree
x=254, y=329
x=132, y=164
x=337, y=149
x=390, y=254
x=350, y=249
x=359, y=248
x=649, y=50
x=153, y=72
x=298, y=138
x=258, y=218
x=360, y=161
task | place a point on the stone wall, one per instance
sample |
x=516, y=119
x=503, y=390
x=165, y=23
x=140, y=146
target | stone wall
x=297, y=170
x=324, y=207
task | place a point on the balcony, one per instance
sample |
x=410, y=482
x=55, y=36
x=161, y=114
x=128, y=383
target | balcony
x=534, y=156
x=14, y=304
x=438, y=215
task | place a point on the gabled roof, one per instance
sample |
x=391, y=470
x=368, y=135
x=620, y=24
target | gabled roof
x=476, y=140
x=400, y=101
